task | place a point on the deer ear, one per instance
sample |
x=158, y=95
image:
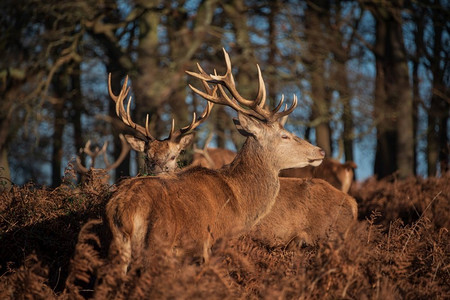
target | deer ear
x=135, y=143
x=186, y=140
x=247, y=126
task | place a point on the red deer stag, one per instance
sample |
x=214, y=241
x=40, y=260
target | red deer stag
x=96, y=152
x=160, y=155
x=201, y=205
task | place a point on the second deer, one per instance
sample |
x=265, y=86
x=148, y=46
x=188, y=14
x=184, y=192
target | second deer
x=160, y=154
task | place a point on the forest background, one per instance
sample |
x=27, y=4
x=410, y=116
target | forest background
x=372, y=77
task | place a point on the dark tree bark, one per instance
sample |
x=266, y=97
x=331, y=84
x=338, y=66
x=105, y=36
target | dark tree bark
x=315, y=16
x=61, y=85
x=393, y=97
x=438, y=147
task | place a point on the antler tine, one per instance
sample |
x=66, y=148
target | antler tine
x=79, y=165
x=194, y=124
x=286, y=111
x=228, y=81
x=205, y=114
x=92, y=154
x=125, y=115
x=211, y=93
x=256, y=107
x=123, y=153
x=88, y=151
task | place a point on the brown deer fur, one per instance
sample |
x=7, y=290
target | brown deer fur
x=337, y=174
x=203, y=205
x=305, y=211
x=215, y=158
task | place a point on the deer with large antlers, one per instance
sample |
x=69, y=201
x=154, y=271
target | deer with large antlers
x=202, y=205
x=160, y=155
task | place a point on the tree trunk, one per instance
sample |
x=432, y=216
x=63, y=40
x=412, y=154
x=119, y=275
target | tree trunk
x=437, y=150
x=317, y=53
x=59, y=122
x=393, y=97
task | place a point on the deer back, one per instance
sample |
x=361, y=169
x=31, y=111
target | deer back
x=305, y=211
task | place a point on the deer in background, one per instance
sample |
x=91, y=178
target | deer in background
x=339, y=175
x=96, y=152
x=160, y=155
x=211, y=158
x=201, y=205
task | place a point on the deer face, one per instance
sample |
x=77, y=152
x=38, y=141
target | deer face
x=285, y=149
x=160, y=156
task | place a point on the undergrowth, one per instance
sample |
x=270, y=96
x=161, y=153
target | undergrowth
x=54, y=246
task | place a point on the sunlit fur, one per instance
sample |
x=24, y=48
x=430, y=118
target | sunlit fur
x=160, y=155
x=305, y=211
x=217, y=157
x=202, y=205
x=340, y=175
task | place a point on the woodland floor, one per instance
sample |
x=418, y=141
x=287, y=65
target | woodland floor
x=53, y=246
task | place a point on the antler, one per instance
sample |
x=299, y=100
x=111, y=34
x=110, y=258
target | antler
x=126, y=117
x=102, y=151
x=123, y=153
x=204, y=150
x=195, y=122
x=92, y=154
x=257, y=106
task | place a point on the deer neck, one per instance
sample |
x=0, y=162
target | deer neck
x=255, y=178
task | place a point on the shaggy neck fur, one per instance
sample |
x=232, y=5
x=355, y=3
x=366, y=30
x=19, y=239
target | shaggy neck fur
x=254, y=177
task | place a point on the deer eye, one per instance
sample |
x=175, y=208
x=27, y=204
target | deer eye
x=285, y=136
x=173, y=157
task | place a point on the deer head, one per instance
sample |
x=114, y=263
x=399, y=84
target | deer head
x=258, y=122
x=160, y=155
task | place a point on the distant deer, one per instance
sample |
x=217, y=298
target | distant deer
x=211, y=158
x=160, y=155
x=96, y=152
x=339, y=175
x=202, y=205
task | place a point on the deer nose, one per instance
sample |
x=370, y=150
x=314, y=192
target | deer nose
x=322, y=152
